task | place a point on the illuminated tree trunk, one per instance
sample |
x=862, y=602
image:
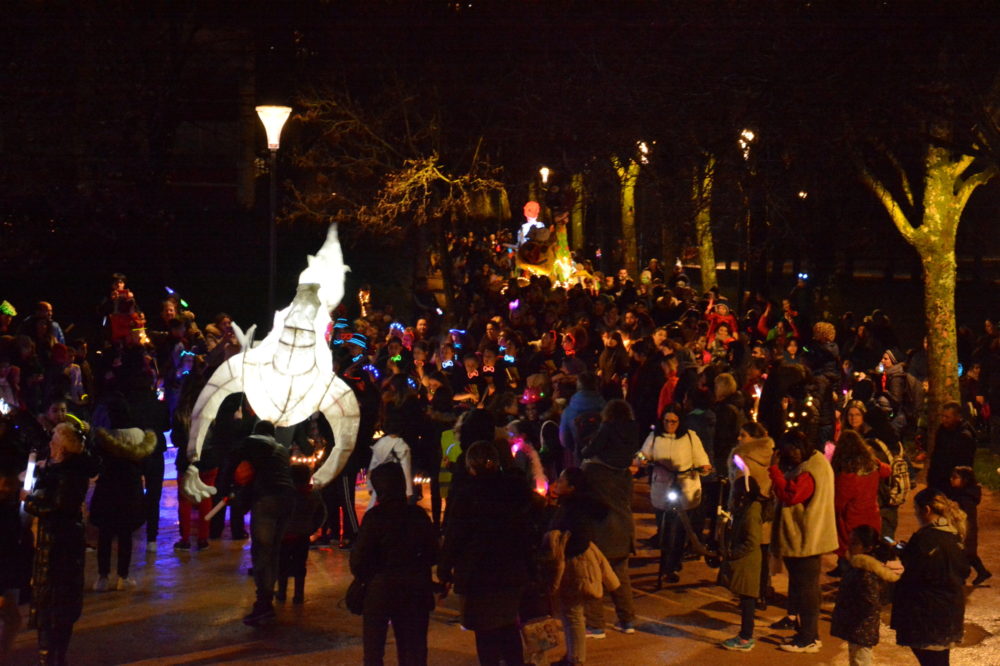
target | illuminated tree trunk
x=628, y=176
x=576, y=213
x=703, y=181
x=947, y=188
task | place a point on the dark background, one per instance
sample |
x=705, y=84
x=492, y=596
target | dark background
x=129, y=141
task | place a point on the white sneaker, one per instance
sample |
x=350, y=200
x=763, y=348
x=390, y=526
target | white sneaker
x=101, y=585
x=127, y=583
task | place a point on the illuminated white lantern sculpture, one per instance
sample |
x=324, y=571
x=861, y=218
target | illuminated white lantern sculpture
x=288, y=376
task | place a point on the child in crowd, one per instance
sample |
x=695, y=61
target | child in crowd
x=966, y=492
x=308, y=514
x=859, y=600
x=740, y=570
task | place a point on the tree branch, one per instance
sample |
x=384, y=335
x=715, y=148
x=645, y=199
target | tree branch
x=889, y=202
x=970, y=183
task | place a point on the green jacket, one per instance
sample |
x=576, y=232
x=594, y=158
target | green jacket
x=740, y=570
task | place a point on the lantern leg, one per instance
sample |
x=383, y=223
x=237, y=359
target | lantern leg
x=340, y=407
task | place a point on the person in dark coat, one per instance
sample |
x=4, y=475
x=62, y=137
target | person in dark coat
x=954, y=446
x=15, y=559
x=606, y=469
x=271, y=494
x=928, y=603
x=393, y=556
x=644, y=384
x=116, y=508
x=57, y=591
x=308, y=514
x=856, y=616
x=967, y=493
x=487, y=555
x=741, y=568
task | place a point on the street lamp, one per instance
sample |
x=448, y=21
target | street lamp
x=273, y=119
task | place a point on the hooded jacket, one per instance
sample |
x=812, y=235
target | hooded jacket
x=859, y=600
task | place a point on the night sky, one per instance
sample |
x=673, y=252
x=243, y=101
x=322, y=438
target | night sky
x=129, y=141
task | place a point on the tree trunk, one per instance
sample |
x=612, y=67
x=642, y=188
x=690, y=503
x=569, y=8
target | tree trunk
x=704, y=179
x=942, y=340
x=447, y=272
x=577, y=212
x=628, y=176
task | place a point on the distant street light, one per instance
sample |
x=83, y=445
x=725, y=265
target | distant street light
x=273, y=118
x=544, y=173
x=803, y=194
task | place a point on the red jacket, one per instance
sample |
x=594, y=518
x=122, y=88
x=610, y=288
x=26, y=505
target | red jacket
x=855, y=503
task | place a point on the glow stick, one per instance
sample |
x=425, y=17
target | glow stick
x=216, y=509
x=29, y=475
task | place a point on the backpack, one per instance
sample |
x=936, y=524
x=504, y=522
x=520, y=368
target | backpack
x=899, y=475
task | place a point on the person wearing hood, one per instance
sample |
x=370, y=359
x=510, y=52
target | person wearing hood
x=954, y=446
x=755, y=449
x=272, y=493
x=741, y=568
x=856, y=615
x=57, y=498
x=116, y=507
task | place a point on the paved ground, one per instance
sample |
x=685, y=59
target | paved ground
x=188, y=606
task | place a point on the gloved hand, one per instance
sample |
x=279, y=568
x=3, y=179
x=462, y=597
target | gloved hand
x=194, y=488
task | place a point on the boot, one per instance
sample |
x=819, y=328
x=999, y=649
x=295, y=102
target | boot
x=300, y=590
x=282, y=592
x=982, y=573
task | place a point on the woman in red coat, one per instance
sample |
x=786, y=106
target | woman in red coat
x=857, y=473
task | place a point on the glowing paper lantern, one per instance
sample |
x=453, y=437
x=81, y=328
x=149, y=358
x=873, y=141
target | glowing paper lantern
x=288, y=376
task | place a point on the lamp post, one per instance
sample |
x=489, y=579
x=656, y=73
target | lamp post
x=273, y=119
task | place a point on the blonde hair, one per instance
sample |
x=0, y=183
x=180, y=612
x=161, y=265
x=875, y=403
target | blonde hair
x=725, y=386
x=823, y=331
x=940, y=505
x=71, y=438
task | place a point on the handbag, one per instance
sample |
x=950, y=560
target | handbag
x=355, y=598
x=540, y=636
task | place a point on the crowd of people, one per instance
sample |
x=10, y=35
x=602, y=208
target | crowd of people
x=770, y=434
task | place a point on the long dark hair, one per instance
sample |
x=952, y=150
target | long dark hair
x=679, y=413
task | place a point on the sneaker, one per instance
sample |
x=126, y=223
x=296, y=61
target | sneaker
x=183, y=544
x=127, y=583
x=784, y=624
x=595, y=633
x=738, y=644
x=805, y=648
x=261, y=614
x=202, y=544
x=981, y=578
x=672, y=577
x=101, y=585
x=150, y=546
x=625, y=627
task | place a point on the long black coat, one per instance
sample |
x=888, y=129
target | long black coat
x=394, y=553
x=117, y=500
x=487, y=540
x=59, y=556
x=928, y=604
